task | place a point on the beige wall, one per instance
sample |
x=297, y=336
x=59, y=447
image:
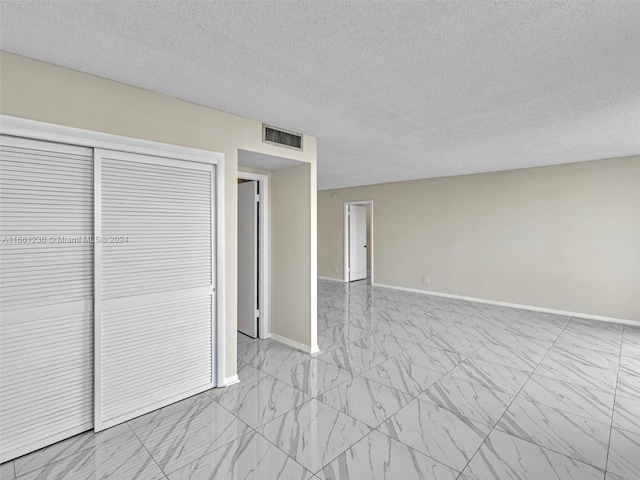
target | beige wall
x=45, y=92
x=290, y=241
x=563, y=237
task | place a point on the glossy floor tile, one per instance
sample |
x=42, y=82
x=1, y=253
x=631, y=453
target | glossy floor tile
x=75, y=445
x=366, y=400
x=385, y=344
x=314, y=434
x=505, y=457
x=404, y=376
x=269, y=356
x=175, y=439
x=521, y=358
x=468, y=399
x=436, y=432
x=628, y=385
x=246, y=374
x=251, y=457
x=314, y=376
x=122, y=456
x=491, y=375
x=452, y=343
x=379, y=457
x=535, y=328
x=585, y=355
x=260, y=402
x=326, y=344
x=348, y=333
x=630, y=365
x=6, y=471
x=568, y=397
x=353, y=358
x=567, y=368
x=431, y=358
x=631, y=346
x=626, y=415
x=518, y=342
x=577, y=437
x=624, y=454
x=406, y=387
x=602, y=341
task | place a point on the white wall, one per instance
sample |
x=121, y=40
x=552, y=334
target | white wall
x=49, y=93
x=564, y=237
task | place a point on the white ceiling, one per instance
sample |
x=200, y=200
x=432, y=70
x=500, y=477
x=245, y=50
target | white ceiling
x=393, y=90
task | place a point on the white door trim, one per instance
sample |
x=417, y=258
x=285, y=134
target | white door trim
x=21, y=127
x=264, y=325
x=346, y=238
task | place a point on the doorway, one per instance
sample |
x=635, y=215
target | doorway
x=358, y=241
x=253, y=255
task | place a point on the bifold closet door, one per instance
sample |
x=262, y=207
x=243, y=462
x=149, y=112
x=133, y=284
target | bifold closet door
x=46, y=293
x=155, y=274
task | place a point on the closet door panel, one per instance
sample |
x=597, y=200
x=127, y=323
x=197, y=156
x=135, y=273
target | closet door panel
x=46, y=293
x=154, y=281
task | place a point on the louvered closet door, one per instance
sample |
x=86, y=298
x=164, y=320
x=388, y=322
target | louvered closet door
x=46, y=294
x=154, y=283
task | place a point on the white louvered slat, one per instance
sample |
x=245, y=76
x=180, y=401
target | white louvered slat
x=46, y=294
x=154, y=312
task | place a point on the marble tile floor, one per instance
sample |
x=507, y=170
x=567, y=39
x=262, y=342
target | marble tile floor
x=406, y=386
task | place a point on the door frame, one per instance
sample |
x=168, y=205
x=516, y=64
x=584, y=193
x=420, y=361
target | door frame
x=345, y=255
x=22, y=127
x=264, y=246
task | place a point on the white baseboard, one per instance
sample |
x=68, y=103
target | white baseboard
x=231, y=380
x=293, y=344
x=332, y=279
x=587, y=316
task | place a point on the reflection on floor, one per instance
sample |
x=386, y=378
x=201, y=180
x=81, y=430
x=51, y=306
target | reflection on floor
x=407, y=386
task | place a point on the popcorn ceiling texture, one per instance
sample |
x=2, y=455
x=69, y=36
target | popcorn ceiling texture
x=393, y=90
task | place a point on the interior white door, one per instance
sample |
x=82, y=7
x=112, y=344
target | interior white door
x=357, y=242
x=155, y=279
x=248, y=258
x=46, y=293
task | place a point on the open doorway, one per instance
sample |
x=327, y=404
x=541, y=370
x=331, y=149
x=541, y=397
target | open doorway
x=284, y=186
x=358, y=241
x=253, y=255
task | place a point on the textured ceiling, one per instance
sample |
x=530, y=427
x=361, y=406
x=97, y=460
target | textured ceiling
x=393, y=90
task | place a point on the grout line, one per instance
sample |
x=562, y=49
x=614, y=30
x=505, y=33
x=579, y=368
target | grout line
x=418, y=400
x=146, y=450
x=519, y=392
x=509, y=406
x=615, y=396
x=210, y=451
x=313, y=474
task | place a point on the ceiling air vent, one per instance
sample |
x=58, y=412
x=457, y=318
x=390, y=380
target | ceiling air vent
x=281, y=137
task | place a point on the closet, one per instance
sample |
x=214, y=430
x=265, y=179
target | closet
x=107, y=282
